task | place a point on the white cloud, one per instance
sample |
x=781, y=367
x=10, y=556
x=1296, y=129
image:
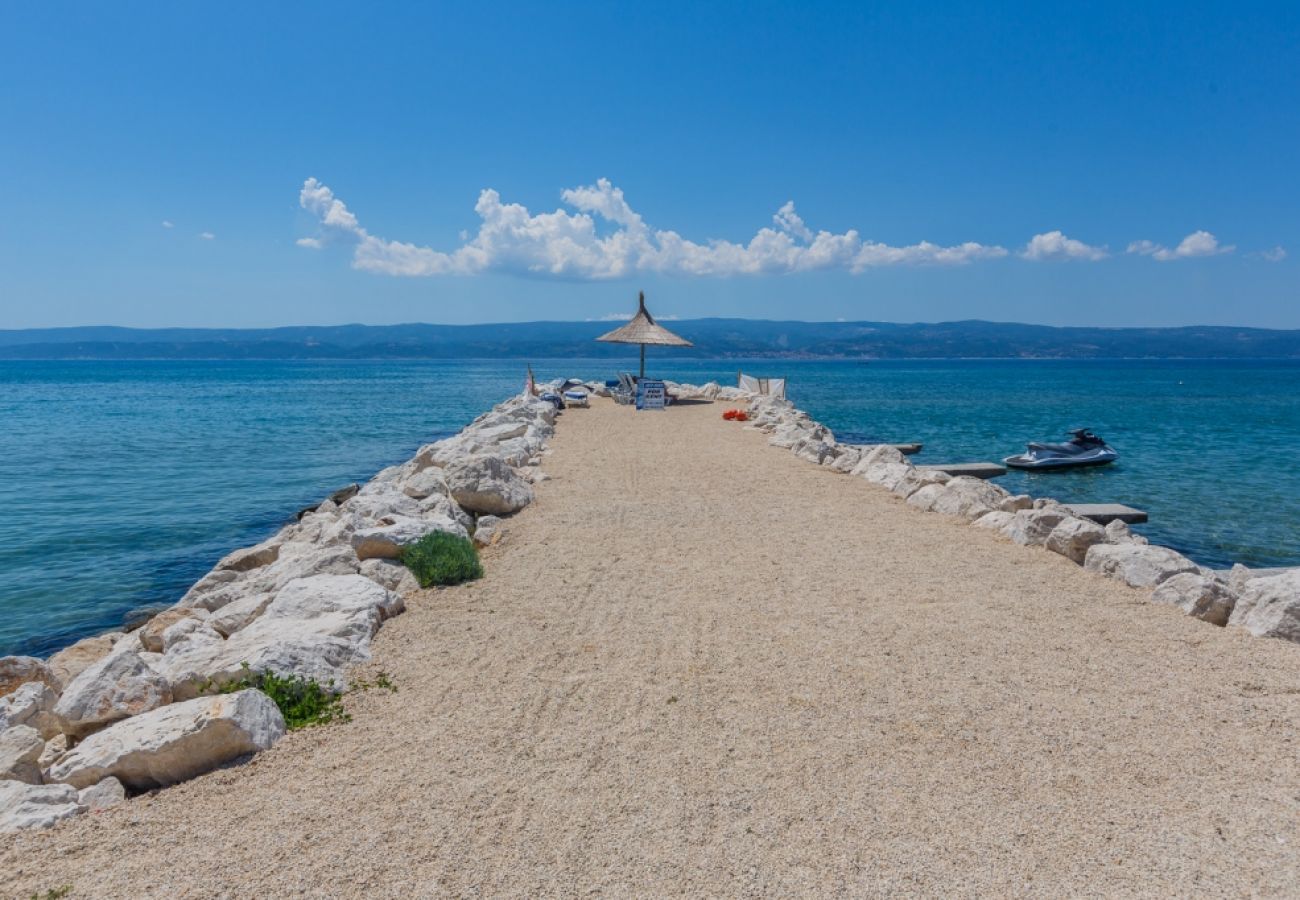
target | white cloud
x=583, y=244
x=167, y=224
x=207, y=235
x=313, y=243
x=612, y=317
x=1198, y=243
x=1277, y=254
x=1052, y=245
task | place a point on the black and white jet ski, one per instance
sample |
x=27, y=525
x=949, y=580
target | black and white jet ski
x=1084, y=449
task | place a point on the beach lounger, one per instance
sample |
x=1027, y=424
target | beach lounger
x=576, y=398
x=625, y=393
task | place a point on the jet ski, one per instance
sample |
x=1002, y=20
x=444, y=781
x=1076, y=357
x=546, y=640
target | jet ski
x=1083, y=449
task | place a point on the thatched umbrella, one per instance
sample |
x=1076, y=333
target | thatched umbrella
x=643, y=330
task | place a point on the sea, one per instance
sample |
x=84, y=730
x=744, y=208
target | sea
x=123, y=482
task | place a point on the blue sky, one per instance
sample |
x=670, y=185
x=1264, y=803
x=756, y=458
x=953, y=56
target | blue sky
x=1107, y=164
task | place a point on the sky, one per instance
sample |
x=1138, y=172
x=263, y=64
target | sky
x=260, y=164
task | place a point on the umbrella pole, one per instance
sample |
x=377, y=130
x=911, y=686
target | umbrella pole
x=643, y=360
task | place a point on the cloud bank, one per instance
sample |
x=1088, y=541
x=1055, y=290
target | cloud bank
x=1053, y=245
x=604, y=238
x=1198, y=243
x=597, y=235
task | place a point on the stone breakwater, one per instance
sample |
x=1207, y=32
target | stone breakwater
x=1265, y=605
x=133, y=711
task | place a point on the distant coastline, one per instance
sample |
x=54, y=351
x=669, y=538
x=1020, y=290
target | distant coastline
x=713, y=338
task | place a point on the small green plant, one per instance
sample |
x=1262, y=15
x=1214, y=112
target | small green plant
x=442, y=558
x=302, y=702
x=381, y=682
x=54, y=893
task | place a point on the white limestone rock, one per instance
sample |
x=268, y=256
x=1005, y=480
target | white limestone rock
x=1269, y=606
x=487, y=531
x=1015, y=502
x=314, y=627
x=813, y=450
x=1032, y=527
x=25, y=806
x=880, y=453
x=151, y=634
x=71, y=661
x=1138, y=565
x=426, y=483
x=54, y=748
x=965, y=497
x=845, y=458
x=104, y=795
x=1118, y=532
x=175, y=743
x=254, y=557
x=386, y=541
x=1195, y=594
x=188, y=633
x=20, y=752
x=994, y=521
x=915, y=479
x=390, y=574
x=1073, y=536
x=31, y=705
x=887, y=474
x=118, y=686
x=486, y=485
x=15, y=671
x=238, y=614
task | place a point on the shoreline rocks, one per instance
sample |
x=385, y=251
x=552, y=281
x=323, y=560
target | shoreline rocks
x=1266, y=606
x=131, y=711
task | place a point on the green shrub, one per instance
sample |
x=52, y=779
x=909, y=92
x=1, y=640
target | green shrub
x=302, y=701
x=442, y=558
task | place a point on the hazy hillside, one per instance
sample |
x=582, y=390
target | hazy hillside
x=712, y=337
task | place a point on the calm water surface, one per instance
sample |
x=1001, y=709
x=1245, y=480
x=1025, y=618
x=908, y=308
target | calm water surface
x=122, y=482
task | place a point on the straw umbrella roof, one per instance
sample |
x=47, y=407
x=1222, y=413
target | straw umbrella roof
x=643, y=330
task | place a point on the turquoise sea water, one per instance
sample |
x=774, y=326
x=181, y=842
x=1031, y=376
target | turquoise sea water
x=123, y=482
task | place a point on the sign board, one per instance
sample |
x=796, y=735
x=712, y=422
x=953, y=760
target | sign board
x=651, y=394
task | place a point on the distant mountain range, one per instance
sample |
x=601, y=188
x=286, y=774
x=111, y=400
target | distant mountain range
x=712, y=338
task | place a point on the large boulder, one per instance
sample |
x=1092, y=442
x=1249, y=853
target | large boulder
x=107, y=793
x=390, y=574
x=1032, y=527
x=174, y=743
x=239, y=613
x=1269, y=606
x=387, y=541
x=152, y=631
x=965, y=497
x=487, y=531
x=487, y=486
x=1138, y=565
x=314, y=627
x=994, y=521
x=426, y=483
x=120, y=685
x=31, y=705
x=24, y=806
x=15, y=671
x=1073, y=536
x=880, y=453
x=813, y=450
x=1197, y=595
x=915, y=479
x=70, y=662
x=1118, y=532
x=249, y=558
x=886, y=474
x=20, y=752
